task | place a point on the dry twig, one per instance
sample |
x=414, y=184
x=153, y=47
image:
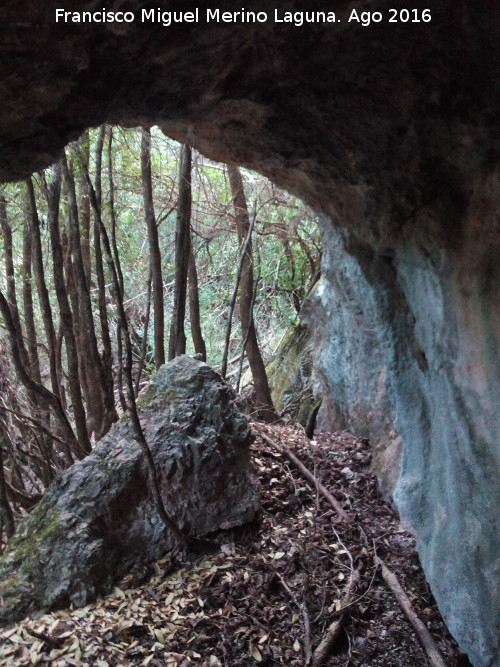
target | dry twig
x=423, y=634
x=333, y=630
x=52, y=642
x=307, y=474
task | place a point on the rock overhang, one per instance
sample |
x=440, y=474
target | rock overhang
x=323, y=109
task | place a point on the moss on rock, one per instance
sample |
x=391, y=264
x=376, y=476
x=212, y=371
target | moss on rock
x=290, y=376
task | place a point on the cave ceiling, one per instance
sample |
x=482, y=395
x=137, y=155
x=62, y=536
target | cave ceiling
x=321, y=108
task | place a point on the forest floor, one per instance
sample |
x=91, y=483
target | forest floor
x=273, y=589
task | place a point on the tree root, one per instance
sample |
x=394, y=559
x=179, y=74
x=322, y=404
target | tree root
x=323, y=648
x=331, y=634
x=307, y=474
x=423, y=634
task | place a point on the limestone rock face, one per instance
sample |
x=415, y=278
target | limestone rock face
x=98, y=520
x=290, y=375
x=391, y=131
x=407, y=343
x=344, y=319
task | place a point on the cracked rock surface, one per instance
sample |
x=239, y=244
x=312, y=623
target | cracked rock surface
x=98, y=520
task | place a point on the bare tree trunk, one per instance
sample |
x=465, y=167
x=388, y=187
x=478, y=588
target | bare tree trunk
x=43, y=294
x=43, y=298
x=154, y=249
x=11, y=278
x=139, y=433
x=116, y=256
x=88, y=341
x=247, y=333
x=29, y=316
x=6, y=514
x=66, y=316
x=59, y=365
x=72, y=293
x=144, y=348
x=84, y=209
x=263, y=400
x=194, y=308
x=117, y=263
x=34, y=387
x=119, y=375
x=232, y=304
x=177, y=341
x=107, y=353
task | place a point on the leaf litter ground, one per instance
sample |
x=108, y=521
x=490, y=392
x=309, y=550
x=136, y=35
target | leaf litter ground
x=251, y=602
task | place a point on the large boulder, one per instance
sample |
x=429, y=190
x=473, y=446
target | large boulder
x=98, y=520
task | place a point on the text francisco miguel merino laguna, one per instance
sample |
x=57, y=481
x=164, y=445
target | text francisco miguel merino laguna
x=168, y=18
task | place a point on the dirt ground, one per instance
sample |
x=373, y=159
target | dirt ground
x=273, y=588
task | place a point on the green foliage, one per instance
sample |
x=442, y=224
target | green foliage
x=286, y=239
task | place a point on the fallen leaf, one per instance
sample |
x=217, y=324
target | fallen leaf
x=255, y=653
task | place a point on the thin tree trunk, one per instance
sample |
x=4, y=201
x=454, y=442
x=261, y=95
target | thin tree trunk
x=7, y=516
x=59, y=364
x=177, y=341
x=232, y=303
x=119, y=375
x=194, y=307
x=66, y=316
x=154, y=249
x=44, y=303
x=107, y=353
x=34, y=387
x=84, y=209
x=11, y=278
x=90, y=352
x=8, y=256
x=263, y=400
x=139, y=433
x=144, y=349
x=112, y=214
x=29, y=316
x=43, y=294
x=245, y=340
x=70, y=285
x=116, y=259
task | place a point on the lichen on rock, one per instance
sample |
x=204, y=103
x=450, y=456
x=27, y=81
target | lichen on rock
x=291, y=378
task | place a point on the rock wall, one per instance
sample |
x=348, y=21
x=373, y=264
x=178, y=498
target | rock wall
x=290, y=375
x=408, y=356
x=347, y=317
x=391, y=131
